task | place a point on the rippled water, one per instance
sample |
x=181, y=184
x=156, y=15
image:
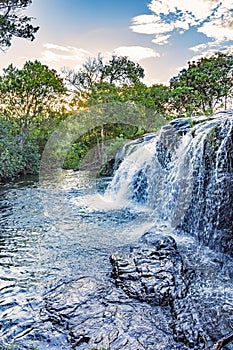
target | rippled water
x=50, y=233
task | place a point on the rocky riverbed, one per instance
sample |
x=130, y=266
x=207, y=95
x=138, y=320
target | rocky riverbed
x=150, y=269
x=159, y=295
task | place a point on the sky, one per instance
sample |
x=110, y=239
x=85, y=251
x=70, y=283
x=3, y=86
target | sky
x=160, y=35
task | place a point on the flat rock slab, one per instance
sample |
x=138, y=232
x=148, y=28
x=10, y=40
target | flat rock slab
x=100, y=316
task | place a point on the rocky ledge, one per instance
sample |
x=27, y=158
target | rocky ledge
x=151, y=300
x=153, y=271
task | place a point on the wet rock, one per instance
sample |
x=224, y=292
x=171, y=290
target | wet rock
x=97, y=315
x=153, y=270
x=140, y=188
x=209, y=216
x=182, y=125
x=153, y=300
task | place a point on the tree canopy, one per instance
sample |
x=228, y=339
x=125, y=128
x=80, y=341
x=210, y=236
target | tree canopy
x=31, y=93
x=13, y=23
x=204, y=85
x=118, y=70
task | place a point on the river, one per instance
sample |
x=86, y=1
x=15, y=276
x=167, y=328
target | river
x=57, y=235
x=51, y=234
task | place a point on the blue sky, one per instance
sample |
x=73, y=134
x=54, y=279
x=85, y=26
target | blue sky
x=161, y=35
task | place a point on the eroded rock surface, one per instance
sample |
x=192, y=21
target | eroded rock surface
x=97, y=315
x=153, y=271
x=152, y=300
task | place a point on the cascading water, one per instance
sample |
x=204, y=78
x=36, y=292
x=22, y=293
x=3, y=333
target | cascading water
x=184, y=176
x=166, y=289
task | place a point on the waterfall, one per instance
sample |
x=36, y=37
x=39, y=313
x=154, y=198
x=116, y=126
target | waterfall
x=183, y=176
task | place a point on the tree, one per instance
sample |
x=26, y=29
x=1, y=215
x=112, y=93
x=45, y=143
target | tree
x=155, y=97
x=204, y=85
x=29, y=95
x=87, y=76
x=16, y=158
x=122, y=71
x=158, y=97
x=12, y=23
x=118, y=70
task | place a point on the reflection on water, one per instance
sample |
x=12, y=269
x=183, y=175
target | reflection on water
x=58, y=230
x=48, y=233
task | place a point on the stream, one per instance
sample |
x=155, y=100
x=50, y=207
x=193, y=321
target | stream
x=169, y=282
x=51, y=235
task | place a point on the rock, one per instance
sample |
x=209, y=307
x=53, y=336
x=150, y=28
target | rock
x=95, y=315
x=152, y=300
x=153, y=271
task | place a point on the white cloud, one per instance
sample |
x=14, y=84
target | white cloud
x=198, y=48
x=208, y=53
x=64, y=54
x=161, y=39
x=73, y=57
x=199, y=9
x=210, y=17
x=136, y=53
x=148, y=24
x=221, y=28
x=51, y=46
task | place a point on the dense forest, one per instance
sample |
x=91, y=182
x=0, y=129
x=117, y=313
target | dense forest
x=35, y=99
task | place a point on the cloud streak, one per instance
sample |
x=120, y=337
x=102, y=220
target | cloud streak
x=68, y=56
x=136, y=53
x=213, y=18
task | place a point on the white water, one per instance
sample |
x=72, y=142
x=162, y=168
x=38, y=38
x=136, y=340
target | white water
x=154, y=188
x=158, y=176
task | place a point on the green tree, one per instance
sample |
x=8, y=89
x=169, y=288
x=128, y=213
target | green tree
x=30, y=95
x=13, y=23
x=122, y=71
x=16, y=158
x=204, y=85
x=118, y=70
x=155, y=97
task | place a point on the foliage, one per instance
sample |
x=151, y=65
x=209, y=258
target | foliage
x=132, y=105
x=122, y=71
x=204, y=85
x=103, y=142
x=155, y=97
x=116, y=107
x=31, y=107
x=30, y=95
x=13, y=23
x=16, y=158
x=118, y=70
